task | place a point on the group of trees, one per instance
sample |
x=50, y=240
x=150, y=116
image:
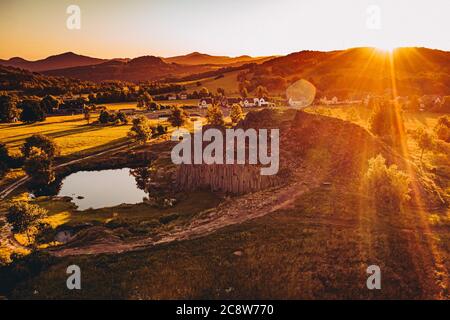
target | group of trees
x=38, y=154
x=107, y=117
x=28, y=110
x=141, y=130
x=433, y=141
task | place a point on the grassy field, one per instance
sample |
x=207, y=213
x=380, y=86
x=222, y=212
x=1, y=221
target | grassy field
x=72, y=133
x=62, y=212
x=320, y=248
x=228, y=82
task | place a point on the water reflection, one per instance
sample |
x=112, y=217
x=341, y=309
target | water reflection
x=105, y=188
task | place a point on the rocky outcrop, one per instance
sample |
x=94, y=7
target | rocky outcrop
x=232, y=179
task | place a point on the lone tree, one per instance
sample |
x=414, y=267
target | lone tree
x=386, y=122
x=178, y=117
x=236, y=113
x=87, y=114
x=25, y=218
x=140, y=130
x=214, y=116
x=261, y=92
x=388, y=185
x=31, y=111
x=39, y=166
x=8, y=109
x=43, y=142
x=425, y=141
x=221, y=92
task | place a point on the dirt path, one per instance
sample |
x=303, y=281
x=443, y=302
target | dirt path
x=6, y=237
x=12, y=187
x=231, y=212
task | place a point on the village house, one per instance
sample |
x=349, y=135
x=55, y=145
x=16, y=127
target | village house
x=205, y=103
x=129, y=111
x=172, y=97
x=255, y=102
x=72, y=106
x=183, y=96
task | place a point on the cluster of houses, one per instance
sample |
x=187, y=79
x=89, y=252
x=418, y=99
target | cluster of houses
x=228, y=102
x=181, y=96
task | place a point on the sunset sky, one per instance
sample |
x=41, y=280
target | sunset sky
x=34, y=29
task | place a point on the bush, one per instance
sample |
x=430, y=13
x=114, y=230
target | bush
x=388, y=185
x=159, y=130
x=442, y=128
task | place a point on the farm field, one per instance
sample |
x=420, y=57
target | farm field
x=71, y=133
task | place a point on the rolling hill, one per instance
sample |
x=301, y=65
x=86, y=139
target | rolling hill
x=354, y=72
x=196, y=58
x=139, y=69
x=60, y=61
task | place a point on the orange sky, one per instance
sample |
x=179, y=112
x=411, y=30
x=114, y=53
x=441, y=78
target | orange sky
x=34, y=29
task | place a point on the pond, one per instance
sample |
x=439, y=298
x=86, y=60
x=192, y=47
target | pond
x=100, y=189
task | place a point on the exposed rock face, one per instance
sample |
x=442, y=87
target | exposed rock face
x=233, y=179
x=331, y=148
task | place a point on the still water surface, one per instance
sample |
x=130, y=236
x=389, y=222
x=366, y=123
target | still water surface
x=99, y=189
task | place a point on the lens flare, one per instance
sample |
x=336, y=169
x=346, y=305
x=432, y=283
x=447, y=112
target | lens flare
x=301, y=93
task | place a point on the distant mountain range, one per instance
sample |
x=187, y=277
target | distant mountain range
x=355, y=72
x=138, y=69
x=60, y=61
x=343, y=73
x=197, y=58
x=73, y=60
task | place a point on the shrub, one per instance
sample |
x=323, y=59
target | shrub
x=442, y=128
x=388, y=185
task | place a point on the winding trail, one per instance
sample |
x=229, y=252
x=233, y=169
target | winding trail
x=231, y=212
x=17, y=184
